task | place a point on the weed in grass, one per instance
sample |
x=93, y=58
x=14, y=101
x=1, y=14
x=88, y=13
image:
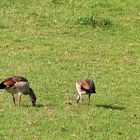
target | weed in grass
x=2, y=26
x=96, y=21
x=101, y=21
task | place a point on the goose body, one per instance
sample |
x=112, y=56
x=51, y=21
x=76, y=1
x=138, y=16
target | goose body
x=85, y=86
x=18, y=85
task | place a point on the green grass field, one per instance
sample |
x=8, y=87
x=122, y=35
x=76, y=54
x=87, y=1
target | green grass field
x=54, y=43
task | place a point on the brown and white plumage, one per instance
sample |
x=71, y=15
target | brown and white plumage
x=85, y=86
x=18, y=85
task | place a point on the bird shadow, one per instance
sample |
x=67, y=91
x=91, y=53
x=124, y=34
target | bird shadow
x=111, y=107
x=37, y=105
x=40, y=105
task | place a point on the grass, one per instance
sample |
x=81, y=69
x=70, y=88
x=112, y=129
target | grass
x=55, y=43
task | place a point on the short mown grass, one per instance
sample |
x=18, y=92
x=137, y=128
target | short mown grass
x=54, y=43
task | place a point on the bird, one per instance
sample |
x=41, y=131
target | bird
x=85, y=86
x=18, y=85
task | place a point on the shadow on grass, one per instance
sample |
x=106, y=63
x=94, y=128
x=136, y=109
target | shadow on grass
x=48, y=106
x=111, y=107
x=40, y=105
x=37, y=105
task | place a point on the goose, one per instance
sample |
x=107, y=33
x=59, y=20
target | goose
x=18, y=85
x=85, y=86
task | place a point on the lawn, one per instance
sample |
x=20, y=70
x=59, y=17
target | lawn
x=54, y=43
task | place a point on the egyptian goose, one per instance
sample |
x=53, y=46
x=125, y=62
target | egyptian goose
x=18, y=85
x=85, y=86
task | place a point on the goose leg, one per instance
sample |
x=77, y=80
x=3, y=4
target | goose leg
x=81, y=98
x=14, y=99
x=78, y=98
x=19, y=98
x=89, y=99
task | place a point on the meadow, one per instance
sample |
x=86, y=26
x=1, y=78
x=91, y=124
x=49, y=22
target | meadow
x=54, y=43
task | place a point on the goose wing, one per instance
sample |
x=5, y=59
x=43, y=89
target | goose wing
x=10, y=81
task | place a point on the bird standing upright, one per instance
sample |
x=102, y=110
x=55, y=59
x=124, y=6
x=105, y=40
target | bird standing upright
x=85, y=86
x=18, y=85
